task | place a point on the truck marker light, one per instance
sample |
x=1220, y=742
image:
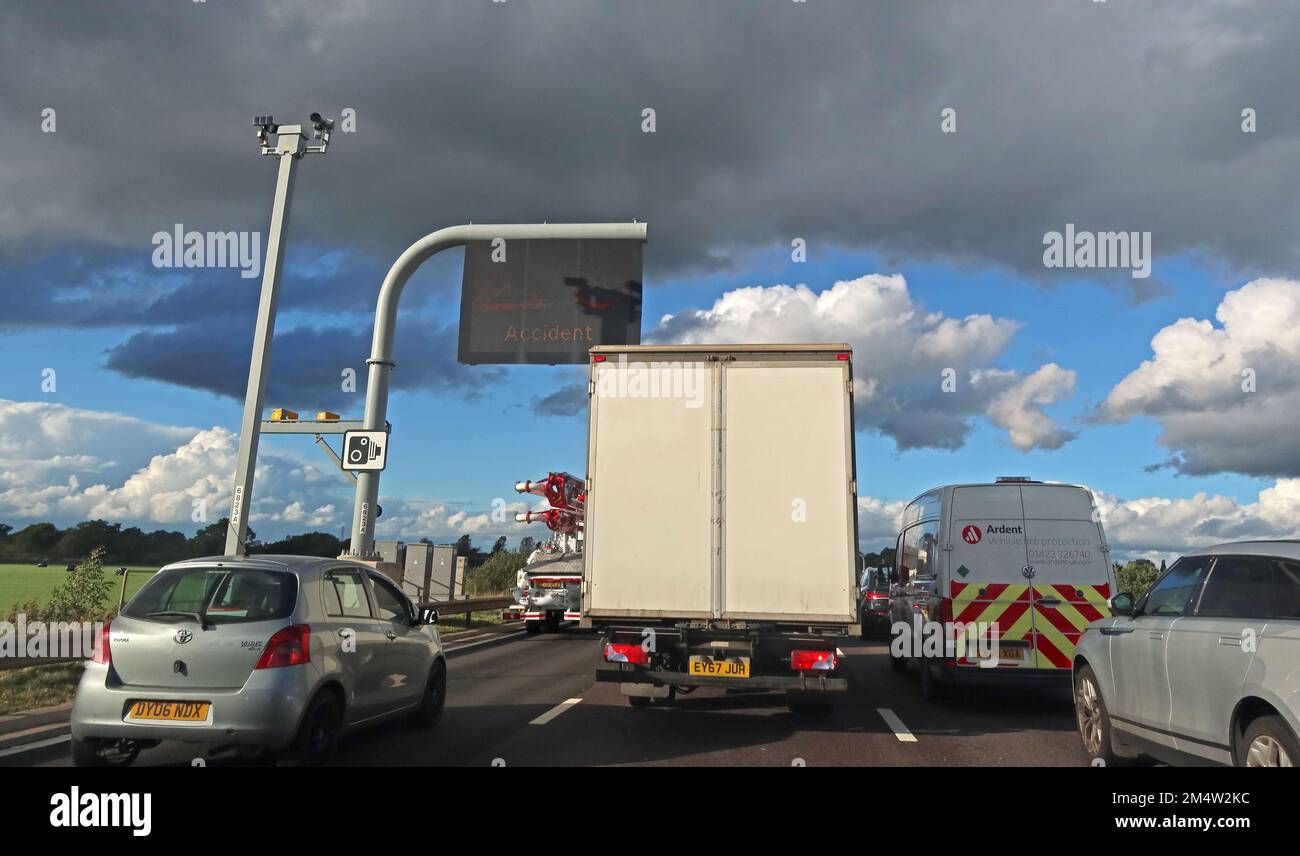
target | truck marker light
x=842, y=357
x=623, y=652
x=803, y=661
x=598, y=359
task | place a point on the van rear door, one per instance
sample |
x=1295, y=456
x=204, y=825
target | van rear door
x=1070, y=571
x=986, y=570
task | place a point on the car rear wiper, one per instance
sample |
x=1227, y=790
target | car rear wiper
x=203, y=622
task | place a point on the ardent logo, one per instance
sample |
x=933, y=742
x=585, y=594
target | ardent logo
x=971, y=534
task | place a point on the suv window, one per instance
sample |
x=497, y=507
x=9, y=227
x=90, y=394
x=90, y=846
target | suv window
x=1238, y=587
x=1286, y=590
x=345, y=594
x=391, y=605
x=1170, y=594
x=219, y=595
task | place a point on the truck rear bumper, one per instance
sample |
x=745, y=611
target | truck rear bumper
x=807, y=683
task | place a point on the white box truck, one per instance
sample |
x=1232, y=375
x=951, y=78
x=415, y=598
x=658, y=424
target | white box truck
x=721, y=518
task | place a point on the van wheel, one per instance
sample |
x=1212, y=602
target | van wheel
x=932, y=689
x=434, y=699
x=1094, y=721
x=898, y=664
x=98, y=752
x=318, y=735
x=1268, y=743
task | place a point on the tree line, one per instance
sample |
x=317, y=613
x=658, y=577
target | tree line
x=133, y=546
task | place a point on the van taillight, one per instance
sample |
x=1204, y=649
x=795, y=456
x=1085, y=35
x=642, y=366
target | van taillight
x=802, y=661
x=101, y=653
x=289, y=646
x=622, y=652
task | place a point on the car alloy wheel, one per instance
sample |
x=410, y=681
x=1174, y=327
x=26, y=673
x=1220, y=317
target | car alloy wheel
x=1088, y=708
x=1264, y=751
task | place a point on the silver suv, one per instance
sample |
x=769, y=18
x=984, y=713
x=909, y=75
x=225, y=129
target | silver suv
x=1205, y=667
x=272, y=655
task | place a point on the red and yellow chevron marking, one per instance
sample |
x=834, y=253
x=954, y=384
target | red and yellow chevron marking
x=1005, y=606
x=1053, y=631
x=1057, y=628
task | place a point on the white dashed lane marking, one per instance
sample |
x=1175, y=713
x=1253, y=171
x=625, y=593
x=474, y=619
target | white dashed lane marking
x=896, y=725
x=555, y=711
x=39, y=744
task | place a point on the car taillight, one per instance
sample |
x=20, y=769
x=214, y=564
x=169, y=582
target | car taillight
x=802, y=661
x=101, y=653
x=622, y=652
x=945, y=610
x=289, y=646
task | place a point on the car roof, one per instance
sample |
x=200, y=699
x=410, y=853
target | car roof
x=1281, y=548
x=263, y=561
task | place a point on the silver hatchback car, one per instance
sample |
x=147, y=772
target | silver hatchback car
x=272, y=655
x=1204, y=668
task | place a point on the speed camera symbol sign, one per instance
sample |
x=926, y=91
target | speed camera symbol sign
x=365, y=451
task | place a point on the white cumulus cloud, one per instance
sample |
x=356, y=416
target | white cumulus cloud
x=902, y=353
x=1227, y=396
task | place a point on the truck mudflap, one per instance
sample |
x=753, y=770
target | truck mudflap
x=801, y=682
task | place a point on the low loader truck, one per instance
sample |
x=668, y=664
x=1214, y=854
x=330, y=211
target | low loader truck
x=721, y=519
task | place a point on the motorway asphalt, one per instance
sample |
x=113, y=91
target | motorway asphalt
x=519, y=700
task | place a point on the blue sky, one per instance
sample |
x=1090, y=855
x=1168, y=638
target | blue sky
x=466, y=453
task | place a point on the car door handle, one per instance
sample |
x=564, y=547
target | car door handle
x=1049, y=601
x=1115, y=631
x=1155, y=634
x=1233, y=641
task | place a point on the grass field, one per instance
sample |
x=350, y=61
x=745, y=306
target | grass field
x=38, y=686
x=21, y=583
x=454, y=622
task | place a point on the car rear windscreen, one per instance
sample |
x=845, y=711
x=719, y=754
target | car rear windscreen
x=217, y=595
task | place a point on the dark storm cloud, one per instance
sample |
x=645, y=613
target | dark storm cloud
x=307, y=363
x=568, y=400
x=775, y=120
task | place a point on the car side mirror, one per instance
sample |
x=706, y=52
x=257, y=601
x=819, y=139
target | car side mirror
x=1122, y=604
x=428, y=616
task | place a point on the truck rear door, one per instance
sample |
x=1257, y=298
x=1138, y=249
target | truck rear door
x=986, y=570
x=650, y=500
x=788, y=503
x=1069, y=572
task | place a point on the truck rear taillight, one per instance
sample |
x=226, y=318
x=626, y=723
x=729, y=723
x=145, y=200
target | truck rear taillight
x=622, y=652
x=803, y=661
x=102, y=654
x=288, y=646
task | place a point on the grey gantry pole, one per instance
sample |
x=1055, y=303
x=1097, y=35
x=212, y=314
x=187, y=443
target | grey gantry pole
x=381, y=349
x=290, y=145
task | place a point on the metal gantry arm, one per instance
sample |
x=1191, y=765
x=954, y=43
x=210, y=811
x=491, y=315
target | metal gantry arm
x=380, y=364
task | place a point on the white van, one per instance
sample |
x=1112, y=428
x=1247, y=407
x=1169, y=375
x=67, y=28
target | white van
x=1026, y=559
